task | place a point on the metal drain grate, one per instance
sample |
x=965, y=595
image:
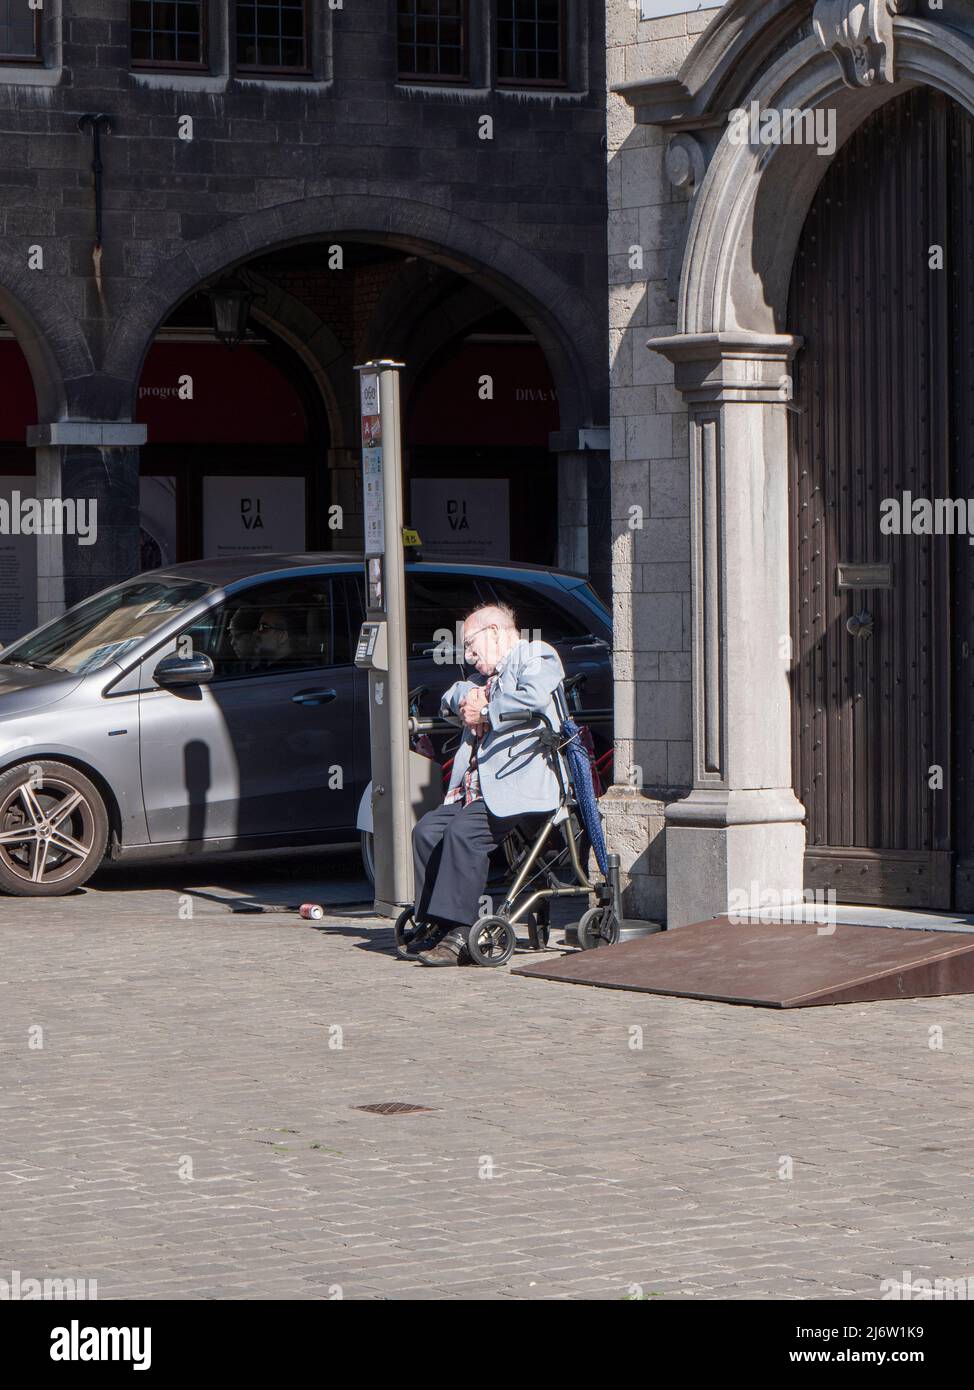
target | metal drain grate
x=393, y=1107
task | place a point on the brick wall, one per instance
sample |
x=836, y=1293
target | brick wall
x=649, y=459
x=263, y=150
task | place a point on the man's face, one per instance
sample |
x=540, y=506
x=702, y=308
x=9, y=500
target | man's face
x=481, y=644
x=272, y=635
x=243, y=639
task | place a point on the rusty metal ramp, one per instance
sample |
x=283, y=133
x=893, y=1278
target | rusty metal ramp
x=777, y=965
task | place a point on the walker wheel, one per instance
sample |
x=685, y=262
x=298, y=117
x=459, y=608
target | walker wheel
x=598, y=927
x=491, y=941
x=406, y=932
x=311, y=912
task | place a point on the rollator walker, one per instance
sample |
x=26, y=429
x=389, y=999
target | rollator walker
x=539, y=866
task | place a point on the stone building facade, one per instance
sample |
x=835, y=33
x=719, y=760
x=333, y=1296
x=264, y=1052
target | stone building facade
x=465, y=189
x=791, y=318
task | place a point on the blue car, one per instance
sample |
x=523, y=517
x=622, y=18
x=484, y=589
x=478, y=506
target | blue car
x=214, y=706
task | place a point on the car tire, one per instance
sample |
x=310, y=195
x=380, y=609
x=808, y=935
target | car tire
x=53, y=855
x=368, y=855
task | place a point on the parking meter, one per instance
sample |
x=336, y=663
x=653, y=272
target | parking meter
x=381, y=648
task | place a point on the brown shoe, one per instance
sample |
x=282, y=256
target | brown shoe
x=448, y=951
x=426, y=939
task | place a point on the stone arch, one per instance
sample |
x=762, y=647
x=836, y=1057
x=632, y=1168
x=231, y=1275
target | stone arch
x=441, y=312
x=742, y=824
x=442, y=306
x=751, y=206
x=318, y=348
x=55, y=348
x=568, y=333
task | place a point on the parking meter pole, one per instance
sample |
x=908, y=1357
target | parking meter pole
x=382, y=643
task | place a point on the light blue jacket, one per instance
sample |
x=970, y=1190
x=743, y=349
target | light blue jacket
x=515, y=775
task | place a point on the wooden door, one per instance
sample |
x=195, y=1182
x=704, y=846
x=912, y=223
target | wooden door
x=883, y=390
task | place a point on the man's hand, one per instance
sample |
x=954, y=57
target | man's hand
x=472, y=708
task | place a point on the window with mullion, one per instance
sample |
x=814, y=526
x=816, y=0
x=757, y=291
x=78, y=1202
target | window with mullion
x=272, y=36
x=168, y=33
x=530, y=42
x=20, y=32
x=431, y=38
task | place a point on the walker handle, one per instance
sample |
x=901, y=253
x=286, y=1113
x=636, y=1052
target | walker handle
x=524, y=718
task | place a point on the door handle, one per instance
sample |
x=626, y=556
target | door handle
x=314, y=697
x=860, y=624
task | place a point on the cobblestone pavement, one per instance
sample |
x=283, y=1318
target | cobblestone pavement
x=189, y=1127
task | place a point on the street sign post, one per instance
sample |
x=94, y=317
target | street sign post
x=381, y=647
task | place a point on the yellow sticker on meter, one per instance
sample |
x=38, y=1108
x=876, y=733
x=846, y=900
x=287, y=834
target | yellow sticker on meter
x=410, y=537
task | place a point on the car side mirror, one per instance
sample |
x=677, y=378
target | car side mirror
x=175, y=671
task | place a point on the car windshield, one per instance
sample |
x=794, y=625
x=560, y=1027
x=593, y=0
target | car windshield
x=103, y=628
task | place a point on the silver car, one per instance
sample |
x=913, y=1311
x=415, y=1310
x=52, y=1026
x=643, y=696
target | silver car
x=214, y=705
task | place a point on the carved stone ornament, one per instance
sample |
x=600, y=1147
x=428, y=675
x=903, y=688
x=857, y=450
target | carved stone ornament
x=685, y=162
x=860, y=35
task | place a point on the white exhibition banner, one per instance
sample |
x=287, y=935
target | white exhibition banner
x=253, y=516
x=463, y=518
x=157, y=519
x=18, y=568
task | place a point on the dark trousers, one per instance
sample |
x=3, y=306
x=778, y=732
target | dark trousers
x=451, y=851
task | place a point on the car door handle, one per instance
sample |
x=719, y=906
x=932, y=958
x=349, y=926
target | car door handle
x=314, y=697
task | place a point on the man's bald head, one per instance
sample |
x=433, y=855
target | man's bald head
x=489, y=633
x=500, y=613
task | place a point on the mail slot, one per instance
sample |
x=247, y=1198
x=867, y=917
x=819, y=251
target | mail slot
x=868, y=576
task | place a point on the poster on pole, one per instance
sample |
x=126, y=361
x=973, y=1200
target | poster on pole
x=253, y=516
x=468, y=518
x=373, y=504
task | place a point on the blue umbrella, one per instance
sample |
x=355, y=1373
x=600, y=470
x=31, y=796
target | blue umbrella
x=581, y=769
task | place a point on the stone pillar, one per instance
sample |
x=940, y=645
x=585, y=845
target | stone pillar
x=600, y=523
x=94, y=463
x=584, y=525
x=345, y=477
x=573, y=511
x=740, y=828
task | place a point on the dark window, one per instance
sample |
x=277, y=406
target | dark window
x=292, y=626
x=530, y=41
x=435, y=603
x=20, y=31
x=168, y=33
x=272, y=35
x=539, y=617
x=432, y=39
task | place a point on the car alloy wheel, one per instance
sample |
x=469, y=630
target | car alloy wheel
x=53, y=829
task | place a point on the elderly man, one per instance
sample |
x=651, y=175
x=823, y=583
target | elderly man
x=499, y=775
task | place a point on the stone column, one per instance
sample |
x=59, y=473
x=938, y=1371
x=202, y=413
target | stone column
x=345, y=476
x=573, y=511
x=740, y=828
x=584, y=527
x=94, y=463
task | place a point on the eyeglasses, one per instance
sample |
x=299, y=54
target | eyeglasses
x=468, y=641
x=269, y=627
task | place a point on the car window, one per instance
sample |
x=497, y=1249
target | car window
x=538, y=615
x=106, y=626
x=435, y=603
x=290, y=625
